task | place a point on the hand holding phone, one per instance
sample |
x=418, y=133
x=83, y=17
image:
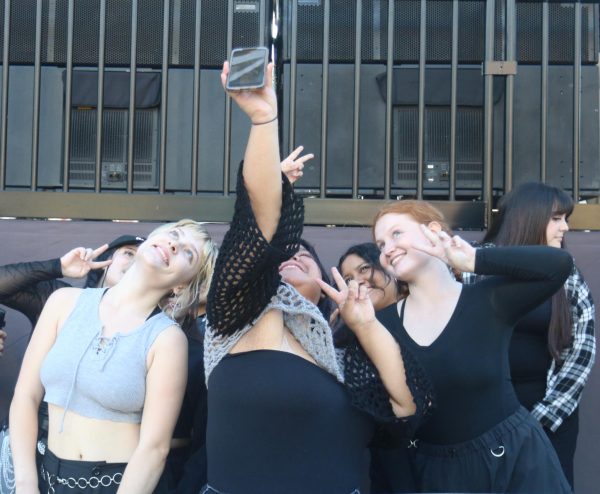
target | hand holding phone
x=247, y=68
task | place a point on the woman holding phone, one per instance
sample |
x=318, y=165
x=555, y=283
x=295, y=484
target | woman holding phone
x=307, y=412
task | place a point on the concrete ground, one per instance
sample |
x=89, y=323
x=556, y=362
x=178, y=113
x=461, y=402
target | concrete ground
x=24, y=240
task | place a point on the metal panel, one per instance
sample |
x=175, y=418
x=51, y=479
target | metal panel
x=341, y=64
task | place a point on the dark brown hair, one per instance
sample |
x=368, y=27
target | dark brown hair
x=369, y=253
x=522, y=219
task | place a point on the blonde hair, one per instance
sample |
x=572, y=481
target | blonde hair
x=196, y=290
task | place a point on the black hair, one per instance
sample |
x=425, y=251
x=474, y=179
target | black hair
x=370, y=253
x=522, y=219
x=325, y=305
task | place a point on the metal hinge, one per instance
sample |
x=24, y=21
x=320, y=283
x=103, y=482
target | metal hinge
x=499, y=68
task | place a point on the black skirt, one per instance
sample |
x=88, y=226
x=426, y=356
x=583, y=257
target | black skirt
x=514, y=456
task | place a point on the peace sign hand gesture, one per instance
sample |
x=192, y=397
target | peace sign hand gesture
x=79, y=261
x=454, y=251
x=353, y=302
x=293, y=165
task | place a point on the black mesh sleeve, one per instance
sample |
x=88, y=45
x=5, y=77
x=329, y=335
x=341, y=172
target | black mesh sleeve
x=246, y=274
x=26, y=286
x=369, y=394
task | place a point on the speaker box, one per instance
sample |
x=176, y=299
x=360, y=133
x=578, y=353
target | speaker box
x=469, y=130
x=471, y=33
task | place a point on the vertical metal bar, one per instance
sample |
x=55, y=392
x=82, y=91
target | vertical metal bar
x=196, y=109
x=576, y=100
x=132, y=85
x=164, y=97
x=293, y=76
x=5, y=73
x=356, y=128
x=389, y=78
x=544, y=95
x=453, y=100
x=511, y=48
x=37, y=64
x=262, y=24
x=488, y=111
x=227, y=145
x=68, y=91
x=422, y=60
x=100, y=106
x=275, y=42
x=325, y=97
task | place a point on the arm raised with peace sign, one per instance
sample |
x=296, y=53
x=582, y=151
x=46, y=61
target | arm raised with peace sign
x=79, y=261
x=454, y=251
x=293, y=164
x=382, y=349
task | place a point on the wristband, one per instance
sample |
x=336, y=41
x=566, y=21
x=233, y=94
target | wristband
x=267, y=122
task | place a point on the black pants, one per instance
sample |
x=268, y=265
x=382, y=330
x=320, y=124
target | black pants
x=514, y=456
x=60, y=476
x=564, y=441
x=391, y=470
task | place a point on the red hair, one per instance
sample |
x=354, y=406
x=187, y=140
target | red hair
x=420, y=211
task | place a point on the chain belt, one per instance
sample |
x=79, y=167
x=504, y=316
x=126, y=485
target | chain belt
x=81, y=483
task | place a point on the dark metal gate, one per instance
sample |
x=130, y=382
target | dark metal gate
x=113, y=110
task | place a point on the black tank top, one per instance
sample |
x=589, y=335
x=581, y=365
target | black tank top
x=278, y=423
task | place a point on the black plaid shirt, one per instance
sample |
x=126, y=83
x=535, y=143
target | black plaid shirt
x=565, y=382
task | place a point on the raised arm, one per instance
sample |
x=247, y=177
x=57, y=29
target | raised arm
x=525, y=276
x=522, y=277
x=262, y=169
x=382, y=349
x=165, y=386
x=26, y=286
x=266, y=226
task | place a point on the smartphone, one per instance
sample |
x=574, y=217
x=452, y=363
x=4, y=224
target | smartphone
x=2, y=320
x=247, y=68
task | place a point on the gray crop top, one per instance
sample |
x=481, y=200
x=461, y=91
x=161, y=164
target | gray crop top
x=97, y=377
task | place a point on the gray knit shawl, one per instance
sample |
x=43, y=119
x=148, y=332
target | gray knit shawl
x=300, y=316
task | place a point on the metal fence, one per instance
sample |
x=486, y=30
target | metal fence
x=113, y=110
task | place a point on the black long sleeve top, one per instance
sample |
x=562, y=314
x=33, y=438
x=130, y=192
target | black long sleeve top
x=468, y=363
x=26, y=286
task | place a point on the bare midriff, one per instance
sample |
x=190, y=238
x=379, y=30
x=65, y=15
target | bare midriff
x=89, y=439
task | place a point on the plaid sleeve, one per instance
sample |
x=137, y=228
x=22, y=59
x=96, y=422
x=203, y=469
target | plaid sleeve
x=565, y=382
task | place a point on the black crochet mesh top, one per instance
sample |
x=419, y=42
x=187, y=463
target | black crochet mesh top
x=276, y=422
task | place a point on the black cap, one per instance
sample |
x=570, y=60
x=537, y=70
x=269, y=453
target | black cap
x=94, y=277
x=125, y=240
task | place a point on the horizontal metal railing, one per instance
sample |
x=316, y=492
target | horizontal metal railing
x=374, y=39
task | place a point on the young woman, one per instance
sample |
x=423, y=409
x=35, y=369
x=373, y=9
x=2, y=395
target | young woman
x=112, y=368
x=269, y=351
x=390, y=469
x=479, y=438
x=553, y=347
x=361, y=263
